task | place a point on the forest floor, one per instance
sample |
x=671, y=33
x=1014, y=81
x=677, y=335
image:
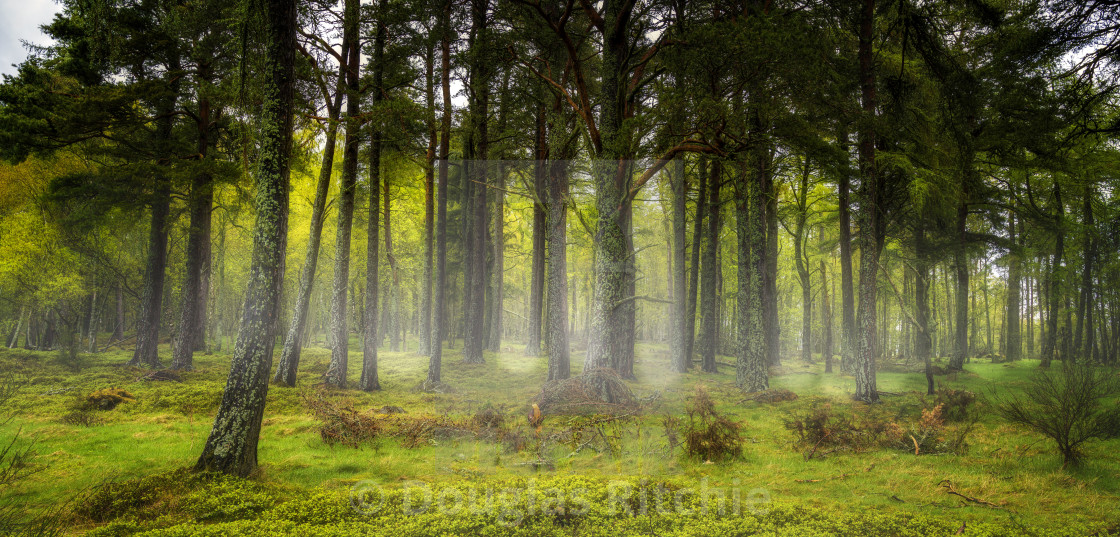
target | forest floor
x=119, y=472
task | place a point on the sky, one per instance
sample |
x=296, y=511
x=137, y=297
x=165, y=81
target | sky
x=20, y=21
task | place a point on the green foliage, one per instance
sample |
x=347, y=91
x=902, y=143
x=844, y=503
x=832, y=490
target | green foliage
x=1071, y=407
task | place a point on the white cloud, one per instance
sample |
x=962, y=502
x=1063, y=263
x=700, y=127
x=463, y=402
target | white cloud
x=20, y=21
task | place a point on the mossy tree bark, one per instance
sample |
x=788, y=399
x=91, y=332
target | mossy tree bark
x=869, y=216
x=232, y=445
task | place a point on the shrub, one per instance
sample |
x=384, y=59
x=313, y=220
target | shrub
x=1067, y=406
x=108, y=398
x=342, y=424
x=488, y=417
x=710, y=436
x=82, y=418
x=956, y=405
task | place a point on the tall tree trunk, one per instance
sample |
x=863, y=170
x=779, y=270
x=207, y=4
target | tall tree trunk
x=392, y=312
x=147, y=330
x=536, y=279
x=1054, y=292
x=336, y=371
x=1084, y=332
x=750, y=198
x=679, y=357
x=694, y=266
x=923, y=343
x=497, y=274
x=191, y=324
x=708, y=294
x=869, y=214
x=476, y=181
x=118, y=327
x=232, y=445
x=293, y=341
x=558, y=352
x=425, y=314
x=369, y=380
x=826, y=321
x=770, y=276
x=1014, y=345
x=801, y=261
x=439, y=317
x=13, y=338
x=608, y=335
x=960, y=264
x=847, y=298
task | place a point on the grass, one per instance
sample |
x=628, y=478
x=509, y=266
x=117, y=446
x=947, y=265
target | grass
x=165, y=429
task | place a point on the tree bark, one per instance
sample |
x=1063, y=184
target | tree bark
x=801, y=261
x=750, y=198
x=425, y=314
x=922, y=343
x=826, y=321
x=708, y=294
x=369, y=380
x=694, y=267
x=293, y=341
x=869, y=214
x=191, y=323
x=232, y=445
x=439, y=318
x=960, y=263
x=1013, y=346
x=558, y=352
x=151, y=300
x=679, y=356
x=336, y=371
x=1054, y=290
x=847, y=295
x=536, y=279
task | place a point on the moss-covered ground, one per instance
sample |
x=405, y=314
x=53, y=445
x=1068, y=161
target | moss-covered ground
x=307, y=487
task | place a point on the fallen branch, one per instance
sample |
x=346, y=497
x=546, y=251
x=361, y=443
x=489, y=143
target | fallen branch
x=950, y=489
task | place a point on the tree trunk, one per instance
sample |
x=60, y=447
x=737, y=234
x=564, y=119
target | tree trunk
x=558, y=352
x=536, y=280
x=336, y=371
x=679, y=357
x=750, y=198
x=1054, y=292
x=869, y=215
x=293, y=341
x=770, y=276
x=801, y=260
x=369, y=380
x=191, y=324
x=847, y=299
x=826, y=321
x=694, y=267
x=1084, y=332
x=118, y=327
x=923, y=343
x=439, y=318
x=608, y=334
x=425, y=314
x=476, y=182
x=232, y=445
x=1013, y=345
x=147, y=330
x=708, y=294
x=497, y=274
x=960, y=263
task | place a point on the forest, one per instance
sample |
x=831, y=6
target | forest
x=562, y=267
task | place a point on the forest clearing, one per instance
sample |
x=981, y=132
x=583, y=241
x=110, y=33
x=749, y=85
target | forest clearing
x=1011, y=479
